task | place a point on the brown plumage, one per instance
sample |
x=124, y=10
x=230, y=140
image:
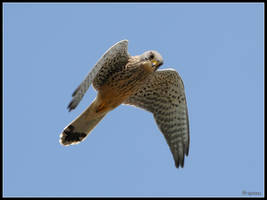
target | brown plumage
x=123, y=79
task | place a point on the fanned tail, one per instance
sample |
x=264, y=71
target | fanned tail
x=79, y=128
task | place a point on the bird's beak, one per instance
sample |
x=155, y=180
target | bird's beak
x=156, y=63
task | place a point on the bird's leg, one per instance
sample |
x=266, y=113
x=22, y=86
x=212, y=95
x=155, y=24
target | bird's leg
x=100, y=103
x=100, y=107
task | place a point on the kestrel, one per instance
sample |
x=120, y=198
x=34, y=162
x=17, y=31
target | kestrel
x=134, y=80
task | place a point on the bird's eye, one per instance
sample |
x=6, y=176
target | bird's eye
x=151, y=56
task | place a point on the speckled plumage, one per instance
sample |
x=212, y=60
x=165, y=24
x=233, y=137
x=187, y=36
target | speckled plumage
x=113, y=60
x=163, y=95
x=123, y=79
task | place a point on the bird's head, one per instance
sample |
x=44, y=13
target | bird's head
x=153, y=56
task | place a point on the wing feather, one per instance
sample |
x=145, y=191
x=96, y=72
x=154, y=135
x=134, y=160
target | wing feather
x=114, y=59
x=163, y=95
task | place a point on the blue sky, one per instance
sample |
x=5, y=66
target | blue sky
x=216, y=48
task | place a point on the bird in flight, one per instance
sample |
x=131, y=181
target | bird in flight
x=120, y=78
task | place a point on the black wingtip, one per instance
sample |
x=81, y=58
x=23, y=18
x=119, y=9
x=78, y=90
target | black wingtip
x=187, y=152
x=178, y=165
x=186, y=147
x=75, y=91
x=179, y=161
x=71, y=106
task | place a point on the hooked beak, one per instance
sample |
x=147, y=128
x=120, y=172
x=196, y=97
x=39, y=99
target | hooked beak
x=156, y=63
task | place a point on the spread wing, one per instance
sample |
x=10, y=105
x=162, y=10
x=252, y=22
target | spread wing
x=164, y=96
x=113, y=60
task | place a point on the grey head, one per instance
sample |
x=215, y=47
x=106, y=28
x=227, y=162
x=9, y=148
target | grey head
x=154, y=57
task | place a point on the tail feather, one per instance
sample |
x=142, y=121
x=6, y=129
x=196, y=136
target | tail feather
x=79, y=128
